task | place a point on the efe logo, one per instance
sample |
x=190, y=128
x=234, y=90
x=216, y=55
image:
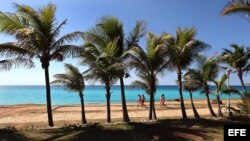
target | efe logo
x=236, y=132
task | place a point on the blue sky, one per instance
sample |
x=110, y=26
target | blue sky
x=160, y=15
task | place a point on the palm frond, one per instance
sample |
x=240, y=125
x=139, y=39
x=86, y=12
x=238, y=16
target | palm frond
x=112, y=26
x=236, y=7
x=134, y=36
x=11, y=23
x=68, y=38
x=8, y=64
x=142, y=85
x=12, y=49
x=29, y=13
x=57, y=30
x=71, y=80
x=230, y=91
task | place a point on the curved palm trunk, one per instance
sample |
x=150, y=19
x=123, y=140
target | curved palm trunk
x=208, y=101
x=48, y=96
x=239, y=73
x=219, y=107
x=152, y=113
x=210, y=107
x=84, y=121
x=196, y=115
x=183, y=110
x=124, y=106
x=108, y=94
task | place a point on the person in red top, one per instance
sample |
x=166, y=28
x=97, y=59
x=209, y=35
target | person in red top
x=139, y=100
x=162, y=100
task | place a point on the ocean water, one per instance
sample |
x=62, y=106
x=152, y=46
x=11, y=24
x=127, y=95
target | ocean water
x=10, y=95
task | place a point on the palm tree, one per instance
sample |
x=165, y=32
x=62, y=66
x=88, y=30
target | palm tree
x=182, y=50
x=99, y=57
x=236, y=7
x=73, y=81
x=206, y=71
x=191, y=85
x=222, y=89
x=36, y=32
x=113, y=29
x=220, y=86
x=238, y=60
x=148, y=65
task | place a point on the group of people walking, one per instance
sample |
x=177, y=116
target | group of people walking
x=141, y=100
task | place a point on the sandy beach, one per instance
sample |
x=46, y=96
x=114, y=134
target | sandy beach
x=30, y=114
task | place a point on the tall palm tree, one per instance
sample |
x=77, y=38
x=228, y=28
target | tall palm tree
x=113, y=28
x=148, y=64
x=98, y=55
x=37, y=31
x=191, y=85
x=182, y=50
x=237, y=60
x=236, y=7
x=73, y=81
x=207, y=70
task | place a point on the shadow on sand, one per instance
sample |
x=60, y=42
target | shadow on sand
x=163, y=130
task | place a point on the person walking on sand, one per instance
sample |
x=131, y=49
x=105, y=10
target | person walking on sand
x=139, y=100
x=142, y=101
x=162, y=100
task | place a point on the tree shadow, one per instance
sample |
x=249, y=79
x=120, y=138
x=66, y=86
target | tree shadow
x=11, y=135
x=169, y=129
x=160, y=131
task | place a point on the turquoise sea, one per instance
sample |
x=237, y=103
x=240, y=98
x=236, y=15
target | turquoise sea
x=10, y=95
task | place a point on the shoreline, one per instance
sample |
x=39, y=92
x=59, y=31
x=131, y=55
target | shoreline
x=86, y=103
x=36, y=115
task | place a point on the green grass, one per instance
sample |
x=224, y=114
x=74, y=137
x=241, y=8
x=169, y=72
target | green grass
x=170, y=129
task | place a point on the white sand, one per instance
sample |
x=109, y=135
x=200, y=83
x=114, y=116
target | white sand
x=97, y=112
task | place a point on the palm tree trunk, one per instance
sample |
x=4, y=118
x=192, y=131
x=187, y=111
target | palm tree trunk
x=152, y=113
x=150, y=107
x=219, y=108
x=208, y=101
x=108, y=103
x=48, y=96
x=154, y=117
x=209, y=105
x=196, y=115
x=183, y=110
x=239, y=73
x=84, y=121
x=124, y=106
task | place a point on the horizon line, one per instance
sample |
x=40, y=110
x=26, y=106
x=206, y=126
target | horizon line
x=93, y=85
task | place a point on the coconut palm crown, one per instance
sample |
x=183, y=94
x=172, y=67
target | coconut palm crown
x=237, y=59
